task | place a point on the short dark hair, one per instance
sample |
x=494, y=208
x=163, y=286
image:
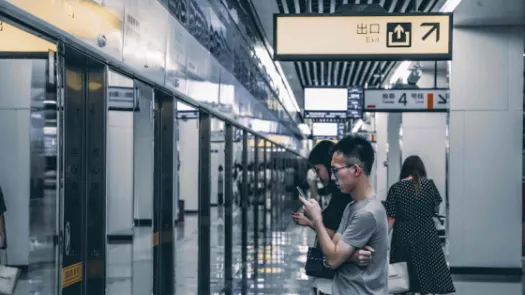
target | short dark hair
x=322, y=153
x=355, y=147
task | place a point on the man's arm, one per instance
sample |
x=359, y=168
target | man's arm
x=335, y=251
x=342, y=247
x=300, y=219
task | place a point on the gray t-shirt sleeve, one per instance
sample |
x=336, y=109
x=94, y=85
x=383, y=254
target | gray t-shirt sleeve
x=360, y=229
x=344, y=220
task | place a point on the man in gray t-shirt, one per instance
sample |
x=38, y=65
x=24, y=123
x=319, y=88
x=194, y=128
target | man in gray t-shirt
x=364, y=223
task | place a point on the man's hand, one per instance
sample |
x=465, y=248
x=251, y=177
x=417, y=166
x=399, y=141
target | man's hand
x=300, y=219
x=312, y=209
x=363, y=257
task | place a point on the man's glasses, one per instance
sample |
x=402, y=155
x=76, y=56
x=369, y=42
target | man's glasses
x=334, y=170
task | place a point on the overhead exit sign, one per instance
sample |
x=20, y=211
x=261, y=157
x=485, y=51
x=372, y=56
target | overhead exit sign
x=410, y=36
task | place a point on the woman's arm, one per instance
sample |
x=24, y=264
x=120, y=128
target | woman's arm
x=2, y=233
x=391, y=206
x=391, y=221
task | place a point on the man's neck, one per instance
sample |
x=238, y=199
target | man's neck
x=362, y=192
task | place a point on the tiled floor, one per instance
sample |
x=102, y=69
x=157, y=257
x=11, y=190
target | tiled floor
x=276, y=268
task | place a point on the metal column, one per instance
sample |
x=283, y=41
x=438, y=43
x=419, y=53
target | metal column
x=228, y=204
x=84, y=195
x=244, y=213
x=163, y=194
x=204, y=203
x=265, y=196
x=96, y=118
x=273, y=186
x=256, y=200
x=256, y=197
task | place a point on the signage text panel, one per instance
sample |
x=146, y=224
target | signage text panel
x=422, y=36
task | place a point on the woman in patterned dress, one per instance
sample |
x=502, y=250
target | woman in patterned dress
x=411, y=205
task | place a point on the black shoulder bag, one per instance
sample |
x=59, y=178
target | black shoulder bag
x=316, y=264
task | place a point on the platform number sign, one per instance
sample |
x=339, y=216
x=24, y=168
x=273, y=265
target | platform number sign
x=407, y=100
x=403, y=99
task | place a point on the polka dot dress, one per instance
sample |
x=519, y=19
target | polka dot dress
x=415, y=239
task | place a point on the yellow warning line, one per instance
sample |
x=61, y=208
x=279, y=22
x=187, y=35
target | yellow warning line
x=71, y=274
x=156, y=239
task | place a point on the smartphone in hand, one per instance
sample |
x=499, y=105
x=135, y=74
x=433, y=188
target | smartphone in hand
x=303, y=195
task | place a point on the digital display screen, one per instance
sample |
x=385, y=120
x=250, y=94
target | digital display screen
x=325, y=99
x=325, y=129
x=323, y=103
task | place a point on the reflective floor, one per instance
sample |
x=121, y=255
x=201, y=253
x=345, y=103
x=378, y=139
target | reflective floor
x=276, y=268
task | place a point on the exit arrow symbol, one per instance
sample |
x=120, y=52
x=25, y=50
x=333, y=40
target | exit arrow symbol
x=434, y=27
x=442, y=99
x=398, y=30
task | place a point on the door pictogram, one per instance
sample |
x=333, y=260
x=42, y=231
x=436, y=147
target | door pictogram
x=399, y=34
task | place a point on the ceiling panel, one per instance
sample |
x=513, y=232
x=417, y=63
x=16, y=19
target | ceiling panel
x=346, y=73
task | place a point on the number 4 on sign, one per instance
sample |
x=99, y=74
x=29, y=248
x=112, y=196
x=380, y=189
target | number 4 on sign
x=403, y=99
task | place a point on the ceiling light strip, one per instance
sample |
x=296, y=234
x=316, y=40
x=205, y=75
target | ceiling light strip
x=364, y=74
x=332, y=6
x=322, y=64
x=354, y=79
x=392, y=6
x=316, y=79
x=405, y=5
x=350, y=74
x=297, y=6
x=371, y=73
x=308, y=73
x=329, y=80
x=285, y=6
x=301, y=73
x=343, y=72
x=336, y=72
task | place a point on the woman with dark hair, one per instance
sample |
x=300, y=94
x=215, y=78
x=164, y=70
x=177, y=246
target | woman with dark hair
x=411, y=205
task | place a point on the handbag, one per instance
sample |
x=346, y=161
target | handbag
x=398, y=279
x=8, y=279
x=8, y=275
x=316, y=264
